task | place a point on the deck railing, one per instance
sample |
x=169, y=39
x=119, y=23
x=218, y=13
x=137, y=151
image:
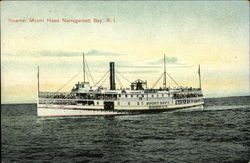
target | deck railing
x=53, y=94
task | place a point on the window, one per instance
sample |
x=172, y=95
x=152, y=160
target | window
x=119, y=95
x=131, y=95
x=97, y=103
x=137, y=96
x=128, y=103
x=142, y=95
x=126, y=95
x=138, y=103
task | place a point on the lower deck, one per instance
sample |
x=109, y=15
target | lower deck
x=44, y=110
x=160, y=103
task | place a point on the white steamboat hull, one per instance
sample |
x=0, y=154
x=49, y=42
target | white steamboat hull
x=54, y=112
x=59, y=111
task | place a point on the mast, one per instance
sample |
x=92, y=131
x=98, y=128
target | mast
x=83, y=64
x=38, y=84
x=199, y=72
x=165, y=82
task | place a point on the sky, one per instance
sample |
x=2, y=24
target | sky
x=214, y=34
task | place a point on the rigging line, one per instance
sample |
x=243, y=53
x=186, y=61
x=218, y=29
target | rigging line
x=119, y=81
x=102, y=78
x=123, y=77
x=66, y=84
x=89, y=72
x=158, y=80
x=87, y=76
x=173, y=80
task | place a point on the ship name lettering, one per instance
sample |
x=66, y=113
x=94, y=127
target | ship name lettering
x=17, y=20
x=53, y=20
x=32, y=20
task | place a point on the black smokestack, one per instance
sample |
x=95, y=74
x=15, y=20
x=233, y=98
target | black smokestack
x=112, y=75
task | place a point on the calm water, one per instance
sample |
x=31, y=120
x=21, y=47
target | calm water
x=219, y=133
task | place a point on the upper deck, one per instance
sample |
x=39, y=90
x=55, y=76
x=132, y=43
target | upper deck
x=123, y=95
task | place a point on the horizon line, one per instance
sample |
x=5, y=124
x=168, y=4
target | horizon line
x=203, y=96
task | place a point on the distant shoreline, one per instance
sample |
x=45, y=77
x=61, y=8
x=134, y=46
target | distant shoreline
x=204, y=98
x=227, y=97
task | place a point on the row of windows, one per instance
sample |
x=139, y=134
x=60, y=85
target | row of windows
x=138, y=103
x=141, y=103
x=148, y=103
x=187, y=101
x=152, y=95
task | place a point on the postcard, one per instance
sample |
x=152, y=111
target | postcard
x=176, y=73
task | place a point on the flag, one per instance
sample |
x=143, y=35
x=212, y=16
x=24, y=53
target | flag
x=199, y=71
x=37, y=72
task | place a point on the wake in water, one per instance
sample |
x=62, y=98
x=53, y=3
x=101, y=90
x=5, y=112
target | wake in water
x=214, y=108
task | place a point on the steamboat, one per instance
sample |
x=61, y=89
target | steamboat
x=85, y=99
